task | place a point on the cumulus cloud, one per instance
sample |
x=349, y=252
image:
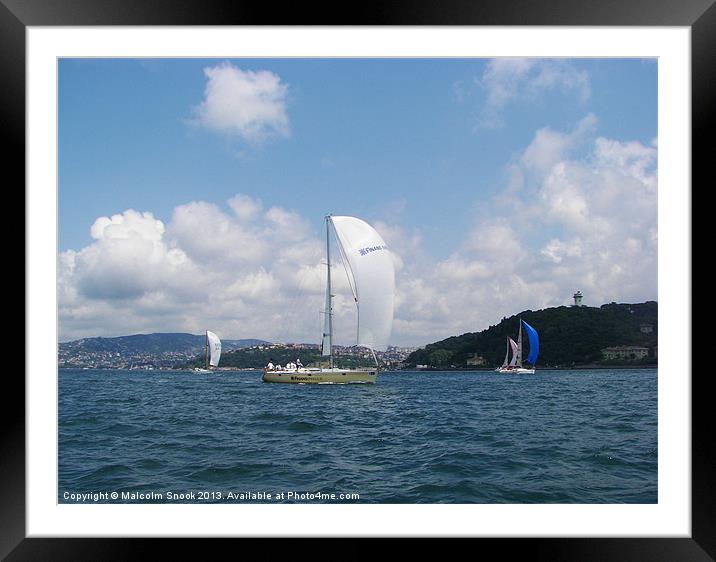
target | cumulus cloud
x=559, y=223
x=509, y=80
x=207, y=235
x=128, y=258
x=575, y=211
x=245, y=207
x=239, y=270
x=246, y=103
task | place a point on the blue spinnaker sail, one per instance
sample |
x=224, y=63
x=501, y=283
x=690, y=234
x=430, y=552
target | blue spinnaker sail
x=534, y=343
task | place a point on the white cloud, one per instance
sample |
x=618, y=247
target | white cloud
x=239, y=271
x=511, y=80
x=208, y=235
x=558, y=250
x=249, y=104
x=559, y=223
x=287, y=225
x=550, y=147
x=576, y=211
x=128, y=258
x=245, y=207
x=602, y=208
x=495, y=241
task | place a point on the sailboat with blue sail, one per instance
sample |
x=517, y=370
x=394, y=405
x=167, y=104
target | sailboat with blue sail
x=514, y=365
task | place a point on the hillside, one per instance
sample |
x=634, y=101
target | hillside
x=152, y=343
x=139, y=349
x=568, y=336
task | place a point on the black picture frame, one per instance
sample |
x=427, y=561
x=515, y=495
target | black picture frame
x=699, y=15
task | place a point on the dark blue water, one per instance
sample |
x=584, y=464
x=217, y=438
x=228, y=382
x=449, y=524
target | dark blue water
x=414, y=437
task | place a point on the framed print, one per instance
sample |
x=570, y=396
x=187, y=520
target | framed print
x=477, y=162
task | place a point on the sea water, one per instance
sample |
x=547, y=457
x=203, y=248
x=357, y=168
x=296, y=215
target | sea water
x=581, y=436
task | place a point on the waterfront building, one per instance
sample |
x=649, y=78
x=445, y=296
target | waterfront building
x=625, y=352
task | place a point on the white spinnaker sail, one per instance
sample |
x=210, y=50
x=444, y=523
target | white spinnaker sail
x=373, y=279
x=214, y=348
x=515, y=352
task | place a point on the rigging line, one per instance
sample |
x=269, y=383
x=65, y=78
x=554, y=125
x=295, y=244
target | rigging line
x=346, y=264
x=374, y=357
x=349, y=273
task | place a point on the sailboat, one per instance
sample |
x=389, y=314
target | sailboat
x=514, y=365
x=212, y=352
x=371, y=277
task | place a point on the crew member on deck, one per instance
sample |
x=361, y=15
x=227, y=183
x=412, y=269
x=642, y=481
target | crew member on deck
x=270, y=366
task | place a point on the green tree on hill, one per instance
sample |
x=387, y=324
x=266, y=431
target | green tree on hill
x=440, y=358
x=568, y=336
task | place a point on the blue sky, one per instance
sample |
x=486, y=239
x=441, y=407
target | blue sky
x=432, y=150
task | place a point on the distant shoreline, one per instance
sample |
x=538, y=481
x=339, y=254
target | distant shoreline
x=538, y=368
x=414, y=370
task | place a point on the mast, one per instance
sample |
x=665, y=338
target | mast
x=507, y=353
x=329, y=312
x=206, y=350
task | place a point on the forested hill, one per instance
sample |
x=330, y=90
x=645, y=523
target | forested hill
x=569, y=336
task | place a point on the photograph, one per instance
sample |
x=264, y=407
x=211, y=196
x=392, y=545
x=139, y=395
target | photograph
x=400, y=279
x=448, y=265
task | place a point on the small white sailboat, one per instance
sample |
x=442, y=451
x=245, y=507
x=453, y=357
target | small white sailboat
x=514, y=366
x=212, y=353
x=371, y=276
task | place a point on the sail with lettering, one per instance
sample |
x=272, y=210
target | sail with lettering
x=212, y=353
x=373, y=279
x=370, y=272
x=214, y=346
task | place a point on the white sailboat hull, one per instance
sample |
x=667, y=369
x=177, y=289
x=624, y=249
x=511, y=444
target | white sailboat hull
x=516, y=370
x=322, y=376
x=197, y=370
